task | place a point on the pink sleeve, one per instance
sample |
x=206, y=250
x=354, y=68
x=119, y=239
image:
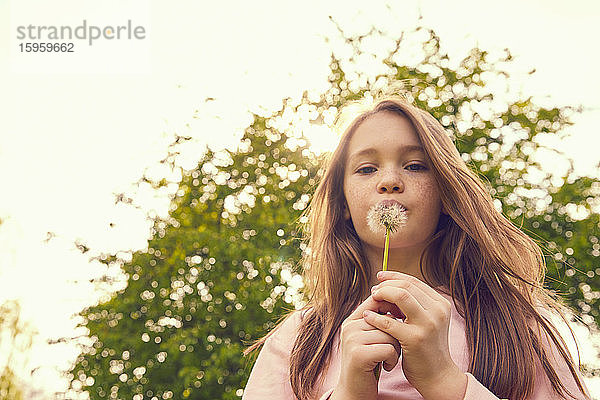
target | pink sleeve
x=542, y=389
x=327, y=394
x=476, y=391
x=269, y=378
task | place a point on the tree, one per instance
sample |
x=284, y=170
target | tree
x=178, y=328
x=222, y=266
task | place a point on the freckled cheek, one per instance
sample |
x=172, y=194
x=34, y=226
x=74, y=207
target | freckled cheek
x=428, y=192
x=356, y=198
x=426, y=188
x=354, y=203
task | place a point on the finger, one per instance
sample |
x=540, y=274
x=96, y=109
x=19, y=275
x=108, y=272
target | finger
x=399, y=330
x=376, y=306
x=424, y=299
x=404, y=299
x=373, y=335
x=384, y=353
x=390, y=275
x=390, y=366
x=388, y=308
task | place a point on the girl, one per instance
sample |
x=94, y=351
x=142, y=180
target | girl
x=460, y=314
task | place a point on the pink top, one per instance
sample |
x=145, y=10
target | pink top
x=269, y=378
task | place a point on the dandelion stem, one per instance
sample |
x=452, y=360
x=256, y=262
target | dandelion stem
x=387, y=247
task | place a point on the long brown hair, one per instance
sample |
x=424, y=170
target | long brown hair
x=493, y=271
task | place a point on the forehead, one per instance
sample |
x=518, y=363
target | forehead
x=384, y=130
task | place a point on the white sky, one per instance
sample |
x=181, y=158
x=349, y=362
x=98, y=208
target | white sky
x=67, y=142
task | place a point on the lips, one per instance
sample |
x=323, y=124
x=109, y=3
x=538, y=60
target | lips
x=389, y=202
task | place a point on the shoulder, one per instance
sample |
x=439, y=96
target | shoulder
x=562, y=329
x=564, y=335
x=286, y=331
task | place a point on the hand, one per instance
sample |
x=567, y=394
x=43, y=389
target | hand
x=423, y=335
x=363, y=347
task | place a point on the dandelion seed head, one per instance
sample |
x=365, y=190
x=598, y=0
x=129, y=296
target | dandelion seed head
x=386, y=215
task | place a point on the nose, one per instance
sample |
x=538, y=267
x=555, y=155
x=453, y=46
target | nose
x=390, y=183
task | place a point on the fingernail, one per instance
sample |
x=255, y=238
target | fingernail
x=380, y=274
x=373, y=288
x=366, y=313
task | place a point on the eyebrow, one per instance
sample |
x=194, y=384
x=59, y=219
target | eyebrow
x=409, y=148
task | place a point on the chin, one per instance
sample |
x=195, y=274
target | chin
x=400, y=241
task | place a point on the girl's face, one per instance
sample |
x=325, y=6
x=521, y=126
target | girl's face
x=385, y=161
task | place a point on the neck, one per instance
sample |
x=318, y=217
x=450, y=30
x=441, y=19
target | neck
x=405, y=260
